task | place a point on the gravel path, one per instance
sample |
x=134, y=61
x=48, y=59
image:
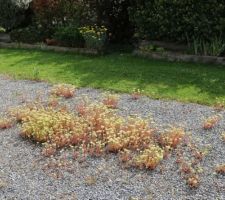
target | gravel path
x=24, y=175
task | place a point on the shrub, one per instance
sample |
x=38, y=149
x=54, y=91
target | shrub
x=13, y=13
x=178, y=20
x=53, y=13
x=69, y=36
x=115, y=16
x=94, y=36
x=29, y=34
x=112, y=13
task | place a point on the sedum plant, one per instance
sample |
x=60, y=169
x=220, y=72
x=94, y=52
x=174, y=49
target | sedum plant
x=63, y=90
x=150, y=157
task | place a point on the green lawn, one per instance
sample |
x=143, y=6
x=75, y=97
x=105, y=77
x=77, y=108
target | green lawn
x=120, y=72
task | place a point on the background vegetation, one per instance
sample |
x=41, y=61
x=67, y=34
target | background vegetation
x=125, y=20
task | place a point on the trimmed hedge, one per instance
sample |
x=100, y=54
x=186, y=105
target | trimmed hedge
x=29, y=35
x=69, y=36
x=178, y=20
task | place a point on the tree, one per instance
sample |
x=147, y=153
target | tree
x=13, y=13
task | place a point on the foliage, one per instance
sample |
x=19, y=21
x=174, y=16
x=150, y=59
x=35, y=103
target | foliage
x=189, y=157
x=150, y=157
x=69, y=36
x=219, y=105
x=213, y=47
x=172, y=137
x=111, y=101
x=36, y=74
x=113, y=14
x=211, y=122
x=30, y=34
x=136, y=94
x=63, y=90
x=220, y=169
x=193, y=181
x=95, y=130
x=13, y=13
x=178, y=20
x=152, y=48
x=19, y=113
x=5, y=123
x=53, y=13
x=94, y=36
x=2, y=30
x=135, y=134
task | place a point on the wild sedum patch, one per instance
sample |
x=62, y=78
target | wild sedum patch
x=150, y=157
x=6, y=123
x=220, y=169
x=172, y=137
x=111, y=100
x=94, y=129
x=63, y=90
x=134, y=134
x=211, y=122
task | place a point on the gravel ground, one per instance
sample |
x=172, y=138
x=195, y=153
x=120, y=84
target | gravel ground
x=23, y=172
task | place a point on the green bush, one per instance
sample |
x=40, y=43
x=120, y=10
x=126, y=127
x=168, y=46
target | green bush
x=29, y=34
x=111, y=13
x=176, y=20
x=69, y=36
x=13, y=13
x=53, y=13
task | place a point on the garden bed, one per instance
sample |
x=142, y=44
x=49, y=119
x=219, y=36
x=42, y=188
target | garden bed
x=52, y=48
x=174, y=52
x=26, y=174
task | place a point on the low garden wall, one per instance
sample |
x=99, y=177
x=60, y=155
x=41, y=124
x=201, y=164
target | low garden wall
x=174, y=56
x=53, y=48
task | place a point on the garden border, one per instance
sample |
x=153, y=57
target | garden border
x=174, y=56
x=54, y=48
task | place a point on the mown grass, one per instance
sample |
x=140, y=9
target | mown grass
x=120, y=72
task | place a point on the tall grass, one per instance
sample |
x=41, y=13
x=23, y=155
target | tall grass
x=213, y=47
